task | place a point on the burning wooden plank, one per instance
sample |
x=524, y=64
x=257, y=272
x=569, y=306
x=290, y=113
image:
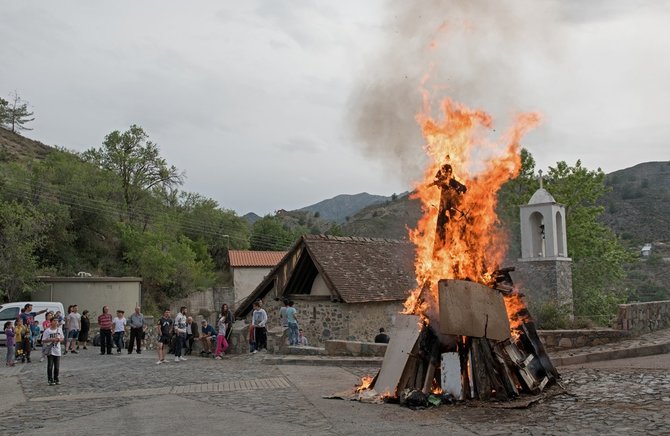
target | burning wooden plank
x=397, y=354
x=471, y=309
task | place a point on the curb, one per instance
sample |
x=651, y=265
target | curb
x=624, y=353
x=323, y=361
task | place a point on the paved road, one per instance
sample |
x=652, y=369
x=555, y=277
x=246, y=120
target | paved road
x=133, y=395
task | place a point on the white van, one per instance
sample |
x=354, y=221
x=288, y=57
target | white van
x=10, y=311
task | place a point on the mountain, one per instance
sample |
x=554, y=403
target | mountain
x=251, y=218
x=638, y=206
x=390, y=219
x=338, y=208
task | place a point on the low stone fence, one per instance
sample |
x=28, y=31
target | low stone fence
x=239, y=339
x=562, y=339
x=354, y=348
x=641, y=318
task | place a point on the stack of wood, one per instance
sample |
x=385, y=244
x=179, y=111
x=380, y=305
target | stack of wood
x=469, y=353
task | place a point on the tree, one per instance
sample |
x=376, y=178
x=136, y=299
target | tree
x=598, y=256
x=15, y=114
x=268, y=233
x=21, y=234
x=173, y=265
x=137, y=162
x=202, y=219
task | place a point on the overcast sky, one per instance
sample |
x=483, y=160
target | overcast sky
x=280, y=104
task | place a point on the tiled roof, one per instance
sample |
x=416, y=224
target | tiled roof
x=242, y=258
x=358, y=270
x=364, y=269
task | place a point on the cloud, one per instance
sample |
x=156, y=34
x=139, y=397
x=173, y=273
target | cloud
x=302, y=144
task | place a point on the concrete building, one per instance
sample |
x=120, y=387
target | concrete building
x=91, y=293
x=249, y=268
x=343, y=287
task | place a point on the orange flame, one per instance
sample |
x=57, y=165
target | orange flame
x=366, y=381
x=517, y=313
x=473, y=245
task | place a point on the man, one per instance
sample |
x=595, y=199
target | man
x=382, y=337
x=165, y=325
x=282, y=314
x=105, y=325
x=259, y=320
x=180, y=330
x=207, y=333
x=73, y=327
x=27, y=316
x=137, y=326
x=292, y=324
x=191, y=334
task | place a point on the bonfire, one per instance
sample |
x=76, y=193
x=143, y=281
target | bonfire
x=465, y=332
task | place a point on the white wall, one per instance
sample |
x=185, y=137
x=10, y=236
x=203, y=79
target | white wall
x=92, y=296
x=245, y=280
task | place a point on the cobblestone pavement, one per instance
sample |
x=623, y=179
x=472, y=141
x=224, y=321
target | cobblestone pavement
x=112, y=390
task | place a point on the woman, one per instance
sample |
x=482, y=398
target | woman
x=85, y=327
x=224, y=325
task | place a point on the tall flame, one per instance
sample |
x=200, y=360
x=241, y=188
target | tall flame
x=472, y=244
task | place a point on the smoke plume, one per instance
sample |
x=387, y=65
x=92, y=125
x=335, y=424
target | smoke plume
x=481, y=53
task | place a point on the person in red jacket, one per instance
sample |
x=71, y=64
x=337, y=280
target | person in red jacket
x=105, y=324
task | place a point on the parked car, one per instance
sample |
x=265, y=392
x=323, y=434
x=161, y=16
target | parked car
x=10, y=311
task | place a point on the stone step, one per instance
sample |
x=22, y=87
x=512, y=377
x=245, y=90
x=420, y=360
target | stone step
x=305, y=351
x=375, y=362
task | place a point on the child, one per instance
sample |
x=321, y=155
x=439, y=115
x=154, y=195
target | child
x=51, y=339
x=252, y=339
x=11, y=342
x=45, y=325
x=35, y=333
x=119, y=330
x=22, y=336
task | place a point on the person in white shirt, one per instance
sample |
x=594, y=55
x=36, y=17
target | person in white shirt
x=302, y=339
x=52, y=338
x=119, y=330
x=73, y=327
x=180, y=330
x=259, y=320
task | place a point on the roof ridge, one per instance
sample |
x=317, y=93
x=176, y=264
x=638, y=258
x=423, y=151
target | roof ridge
x=322, y=237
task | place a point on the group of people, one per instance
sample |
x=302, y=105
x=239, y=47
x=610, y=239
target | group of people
x=179, y=334
x=288, y=317
x=26, y=334
x=113, y=331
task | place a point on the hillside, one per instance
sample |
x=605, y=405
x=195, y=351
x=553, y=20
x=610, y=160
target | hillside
x=14, y=147
x=390, y=219
x=338, y=208
x=638, y=206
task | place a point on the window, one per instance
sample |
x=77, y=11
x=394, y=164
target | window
x=9, y=314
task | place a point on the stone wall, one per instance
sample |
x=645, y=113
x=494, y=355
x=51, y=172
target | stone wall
x=322, y=319
x=562, y=339
x=355, y=348
x=545, y=281
x=641, y=318
x=205, y=304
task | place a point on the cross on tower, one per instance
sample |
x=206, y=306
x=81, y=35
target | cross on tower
x=540, y=176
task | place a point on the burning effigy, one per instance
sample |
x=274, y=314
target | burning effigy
x=465, y=332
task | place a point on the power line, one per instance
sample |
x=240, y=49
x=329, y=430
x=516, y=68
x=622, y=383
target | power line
x=79, y=201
